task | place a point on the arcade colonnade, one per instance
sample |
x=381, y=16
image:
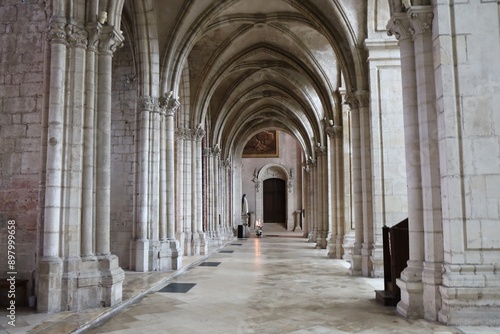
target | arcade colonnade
x=138, y=171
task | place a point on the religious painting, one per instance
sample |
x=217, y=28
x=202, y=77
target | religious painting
x=263, y=145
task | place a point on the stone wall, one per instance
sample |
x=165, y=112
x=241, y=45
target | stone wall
x=21, y=104
x=123, y=153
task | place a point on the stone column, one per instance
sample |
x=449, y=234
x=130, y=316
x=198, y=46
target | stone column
x=336, y=233
x=366, y=177
x=201, y=247
x=188, y=193
x=411, y=278
x=171, y=105
x=207, y=155
x=357, y=186
x=50, y=265
x=322, y=196
x=215, y=194
x=108, y=263
x=146, y=107
x=306, y=179
x=421, y=22
x=154, y=187
x=87, y=228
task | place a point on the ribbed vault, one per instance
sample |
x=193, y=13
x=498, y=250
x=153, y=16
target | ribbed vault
x=265, y=64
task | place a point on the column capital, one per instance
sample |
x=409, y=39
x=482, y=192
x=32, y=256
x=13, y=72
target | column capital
x=169, y=104
x=358, y=99
x=363, y=97
x=93, y=33
x=399, y=26
x=207, y=152
x=109, y=40
x=56, y=30
x=77, y=36
x=216, y=150
x=198, y=134
x=334, y=131
x=147, y=103
x=183, y=134
x=420, y=18
x=320, y=150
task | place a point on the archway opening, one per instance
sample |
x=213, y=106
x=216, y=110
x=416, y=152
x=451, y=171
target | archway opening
x=275, y=201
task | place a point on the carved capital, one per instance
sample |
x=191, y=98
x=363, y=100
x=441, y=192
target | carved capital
x=207, y=152
x=183, y=134
x=421, y=19
x=109, y=40
x=399, y=26
x=334, y=131
x=320, y=150
x=352, y=101
x=93, y=33
x=198, y=134
x=216, y=150
x=56, y=30
x=76, y=36
x=147, y=103
x=169, y=104
x=363, y=97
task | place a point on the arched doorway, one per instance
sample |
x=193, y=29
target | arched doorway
x=275, y=201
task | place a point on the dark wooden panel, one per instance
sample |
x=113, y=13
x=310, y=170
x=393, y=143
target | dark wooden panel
x=274, y=201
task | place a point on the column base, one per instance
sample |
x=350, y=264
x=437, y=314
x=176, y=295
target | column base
x=432, y=277
x=176, y=254
x=338, y=244
x=188, y=243
x=470, y=295
x=321, y=242
x=332, y=246
x=141, y=255
x=203, y=247
x=355, y=269
x=112, y=277
x=49, y=284
x=410, y=284
x=348, y=246
x=377, y=260
x=367, y=265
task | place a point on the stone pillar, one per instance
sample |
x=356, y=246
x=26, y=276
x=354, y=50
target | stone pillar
x=200, y=244
x=215, y=194
x=411, y=278
x=50, y=265
x=171, y=105
x=336, y=232
x=357, y=186
x=207, y=155
x=306, y=179
x=366, y=177
x=87, y=229
x=421, y=22
x=108, y=263
x=322, y=196
x=141, y=243
x=186, y=194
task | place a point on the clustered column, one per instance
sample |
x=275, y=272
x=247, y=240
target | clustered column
x=421, y=279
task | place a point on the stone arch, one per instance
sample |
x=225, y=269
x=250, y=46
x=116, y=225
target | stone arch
x=278, y=171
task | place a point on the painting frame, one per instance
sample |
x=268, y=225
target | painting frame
x=264, y=144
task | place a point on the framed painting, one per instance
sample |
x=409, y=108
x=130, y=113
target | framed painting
x=265, y=144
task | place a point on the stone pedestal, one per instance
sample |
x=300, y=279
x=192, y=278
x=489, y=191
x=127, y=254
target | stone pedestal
x=49, y=284
x=142, y=255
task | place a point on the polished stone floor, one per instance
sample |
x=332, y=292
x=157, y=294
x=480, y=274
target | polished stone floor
x=277, y=284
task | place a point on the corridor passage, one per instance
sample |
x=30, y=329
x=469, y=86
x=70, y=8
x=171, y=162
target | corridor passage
x=277, y=284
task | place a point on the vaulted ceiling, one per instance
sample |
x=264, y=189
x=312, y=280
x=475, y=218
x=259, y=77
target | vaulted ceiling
x=250, y=65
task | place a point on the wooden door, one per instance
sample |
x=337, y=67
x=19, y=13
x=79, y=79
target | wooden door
x=274, y=201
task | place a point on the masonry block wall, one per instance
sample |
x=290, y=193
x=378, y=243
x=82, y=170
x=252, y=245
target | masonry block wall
x=21, y=102
x=123, y=123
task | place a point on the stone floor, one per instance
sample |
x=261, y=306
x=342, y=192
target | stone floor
x=277, y=284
